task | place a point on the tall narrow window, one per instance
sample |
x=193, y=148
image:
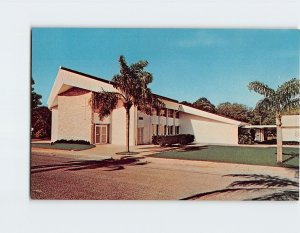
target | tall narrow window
x=170, y=113
x=176, y=129
x=170, y=130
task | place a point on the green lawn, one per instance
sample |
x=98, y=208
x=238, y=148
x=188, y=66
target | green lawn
x=62, y=146
x=234, y=154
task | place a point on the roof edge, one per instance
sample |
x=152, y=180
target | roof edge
x=87, y=75
x=109, y=82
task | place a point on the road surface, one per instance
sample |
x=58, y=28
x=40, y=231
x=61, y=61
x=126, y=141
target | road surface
x=56, y=176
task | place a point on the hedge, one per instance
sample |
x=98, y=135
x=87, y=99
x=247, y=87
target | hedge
x=73, y=142
x=181, y=139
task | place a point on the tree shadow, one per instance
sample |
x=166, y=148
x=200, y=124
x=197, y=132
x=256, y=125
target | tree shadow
x=160, y=149
x=257, y=182
x=279, y=196
x=261, y=180
x=192, y=148
x=219, y=191
x=291, y=156
x=111, y=164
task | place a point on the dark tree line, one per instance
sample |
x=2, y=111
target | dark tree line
x=240, y=112
x=40, y=116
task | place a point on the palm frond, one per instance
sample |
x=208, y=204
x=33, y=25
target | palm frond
x=104, y=103
x=289, y=89
x=157, y=104
x=292, y=105
x=264, y=105
x=261, y=88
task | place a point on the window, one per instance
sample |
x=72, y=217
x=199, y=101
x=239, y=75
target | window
x=170, y=130
x=165, y=130
x=177, y=114
x=176, y=129
x=141, y=118
x=170, y=113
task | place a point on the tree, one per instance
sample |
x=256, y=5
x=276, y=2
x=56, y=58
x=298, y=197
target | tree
x=132, y=85
x=35, y=98
x=186, y=103
x=261, y=117
x=41, y=122
x=235, y=111
x=205, y=105
x=284, y=98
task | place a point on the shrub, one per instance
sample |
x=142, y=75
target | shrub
x=155, y=139
x=246, y=139
x=163, y=140
x=83, y=142
x=290, y=143
x=246, y=136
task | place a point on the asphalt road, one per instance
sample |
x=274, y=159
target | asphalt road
x=138, y=178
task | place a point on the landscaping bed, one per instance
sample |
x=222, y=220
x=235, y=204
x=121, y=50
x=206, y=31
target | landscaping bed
x=234, y=154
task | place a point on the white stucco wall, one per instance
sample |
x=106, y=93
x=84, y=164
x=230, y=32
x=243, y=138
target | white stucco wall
x=74, y=117
x=291, y=128
x=146, y=123
x=207, y=130
x=118, y=126
x=291, y=134
x=54, y=124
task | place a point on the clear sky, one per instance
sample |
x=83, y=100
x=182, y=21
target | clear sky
x=186, y=63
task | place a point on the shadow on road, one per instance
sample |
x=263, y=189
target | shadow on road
x=261, y=180
x=110, y=164
x=254, y=183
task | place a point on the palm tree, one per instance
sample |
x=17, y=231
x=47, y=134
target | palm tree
x=132, y=85
x=285, y=98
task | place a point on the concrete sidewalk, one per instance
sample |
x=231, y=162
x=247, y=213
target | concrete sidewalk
x=104, y=151
x=108, y=151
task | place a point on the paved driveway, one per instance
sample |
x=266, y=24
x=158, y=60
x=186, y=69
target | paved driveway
x=73, y=176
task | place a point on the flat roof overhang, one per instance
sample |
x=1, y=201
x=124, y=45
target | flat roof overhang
x=258, y=126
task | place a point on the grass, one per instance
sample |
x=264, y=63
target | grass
x=234, y=154
x=62, y=146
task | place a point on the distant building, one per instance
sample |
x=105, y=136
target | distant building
x=290, y=129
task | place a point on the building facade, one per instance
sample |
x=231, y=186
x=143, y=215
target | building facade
x=73, y=117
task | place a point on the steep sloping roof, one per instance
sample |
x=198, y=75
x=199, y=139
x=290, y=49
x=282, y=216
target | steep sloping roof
x=67, y=78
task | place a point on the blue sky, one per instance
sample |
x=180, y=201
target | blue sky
x=186, y=63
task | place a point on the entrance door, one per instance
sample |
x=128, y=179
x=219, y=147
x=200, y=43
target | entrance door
x=100, y=134
x=140, y=136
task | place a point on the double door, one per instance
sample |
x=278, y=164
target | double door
x=101, y=133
